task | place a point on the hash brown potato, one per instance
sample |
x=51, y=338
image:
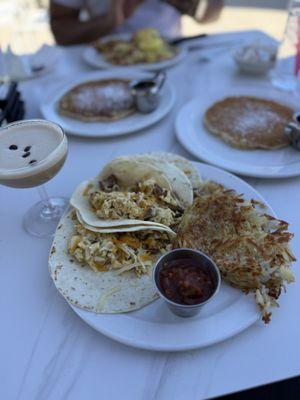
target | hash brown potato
x=250, y=248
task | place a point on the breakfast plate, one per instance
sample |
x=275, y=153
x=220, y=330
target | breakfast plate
x=96, y=60
x=132, y=123
x=196, y=139
x=153, y=327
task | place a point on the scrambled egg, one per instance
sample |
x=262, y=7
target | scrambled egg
x=146, y=46
x=146, y=201
x=152, y=45
x=118, y=251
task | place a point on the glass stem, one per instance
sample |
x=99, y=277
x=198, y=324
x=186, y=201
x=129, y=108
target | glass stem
x=48, y=209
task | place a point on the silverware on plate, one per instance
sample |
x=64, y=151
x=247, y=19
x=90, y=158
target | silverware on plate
x=292, y=130
x=179, y=40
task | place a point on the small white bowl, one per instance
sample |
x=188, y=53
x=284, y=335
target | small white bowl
x=255, y=59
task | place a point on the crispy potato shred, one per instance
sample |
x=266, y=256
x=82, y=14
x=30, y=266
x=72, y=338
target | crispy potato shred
x=250, y=248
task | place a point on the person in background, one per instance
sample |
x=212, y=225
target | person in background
x=83, y=21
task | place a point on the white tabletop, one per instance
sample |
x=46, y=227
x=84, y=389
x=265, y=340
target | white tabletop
x=47, y=352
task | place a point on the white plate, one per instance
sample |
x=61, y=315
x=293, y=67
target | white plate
x=132, y=123
x=154, y=327
x=95, y=59
x=193, y=135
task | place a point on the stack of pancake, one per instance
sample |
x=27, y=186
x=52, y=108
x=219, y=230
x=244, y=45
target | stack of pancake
x=98, y=101
x=249, y=123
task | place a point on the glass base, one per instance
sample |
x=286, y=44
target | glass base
x=42, y=220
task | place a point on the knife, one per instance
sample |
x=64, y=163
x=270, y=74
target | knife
x=176, y=41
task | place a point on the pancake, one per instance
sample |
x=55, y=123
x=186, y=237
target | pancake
x=249, y=123
x=103, y=100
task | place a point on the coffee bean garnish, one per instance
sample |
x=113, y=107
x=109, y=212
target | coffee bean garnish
x=13, y=147
x=27, y=148
x=26, y=154
x=32, y=161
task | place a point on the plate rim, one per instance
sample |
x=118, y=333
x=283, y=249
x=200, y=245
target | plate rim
x=142, y=345
x=224, y=175
x=105, y=74
x=245, y=170
x=103, y=64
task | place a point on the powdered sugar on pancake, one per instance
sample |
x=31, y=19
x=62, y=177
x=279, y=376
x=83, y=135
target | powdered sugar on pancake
x=249, y=122
x=113, y=96
x=252, y=118
x=102, y=100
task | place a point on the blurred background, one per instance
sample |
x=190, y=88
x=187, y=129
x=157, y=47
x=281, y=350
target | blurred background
x=24, y=23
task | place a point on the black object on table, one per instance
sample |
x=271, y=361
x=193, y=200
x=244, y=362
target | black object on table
x=11, y=105
x=288, y=389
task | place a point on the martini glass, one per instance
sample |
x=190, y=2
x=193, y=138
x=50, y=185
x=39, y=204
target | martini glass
x=31, y=153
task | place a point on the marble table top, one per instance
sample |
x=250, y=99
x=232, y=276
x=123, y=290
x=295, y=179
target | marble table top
x=47, y=352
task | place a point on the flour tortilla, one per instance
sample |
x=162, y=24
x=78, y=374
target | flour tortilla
x=81, y=204
x=124, y=228
x=129, y=171
x=182, y=163
x=166, y=174
x=101, y=292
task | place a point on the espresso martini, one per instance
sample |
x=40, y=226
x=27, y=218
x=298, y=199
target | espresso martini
x=31, y=153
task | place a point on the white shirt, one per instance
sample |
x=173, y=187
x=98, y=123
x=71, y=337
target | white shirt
x=151, y=13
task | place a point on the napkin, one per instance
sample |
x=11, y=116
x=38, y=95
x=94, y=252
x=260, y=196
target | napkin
x=29, y=66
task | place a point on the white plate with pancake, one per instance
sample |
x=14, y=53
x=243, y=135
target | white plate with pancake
x=154, y=327
x=96, y=60
x=196, y=139
x=132, y=123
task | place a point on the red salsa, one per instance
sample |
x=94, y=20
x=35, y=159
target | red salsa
x=183, y=281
